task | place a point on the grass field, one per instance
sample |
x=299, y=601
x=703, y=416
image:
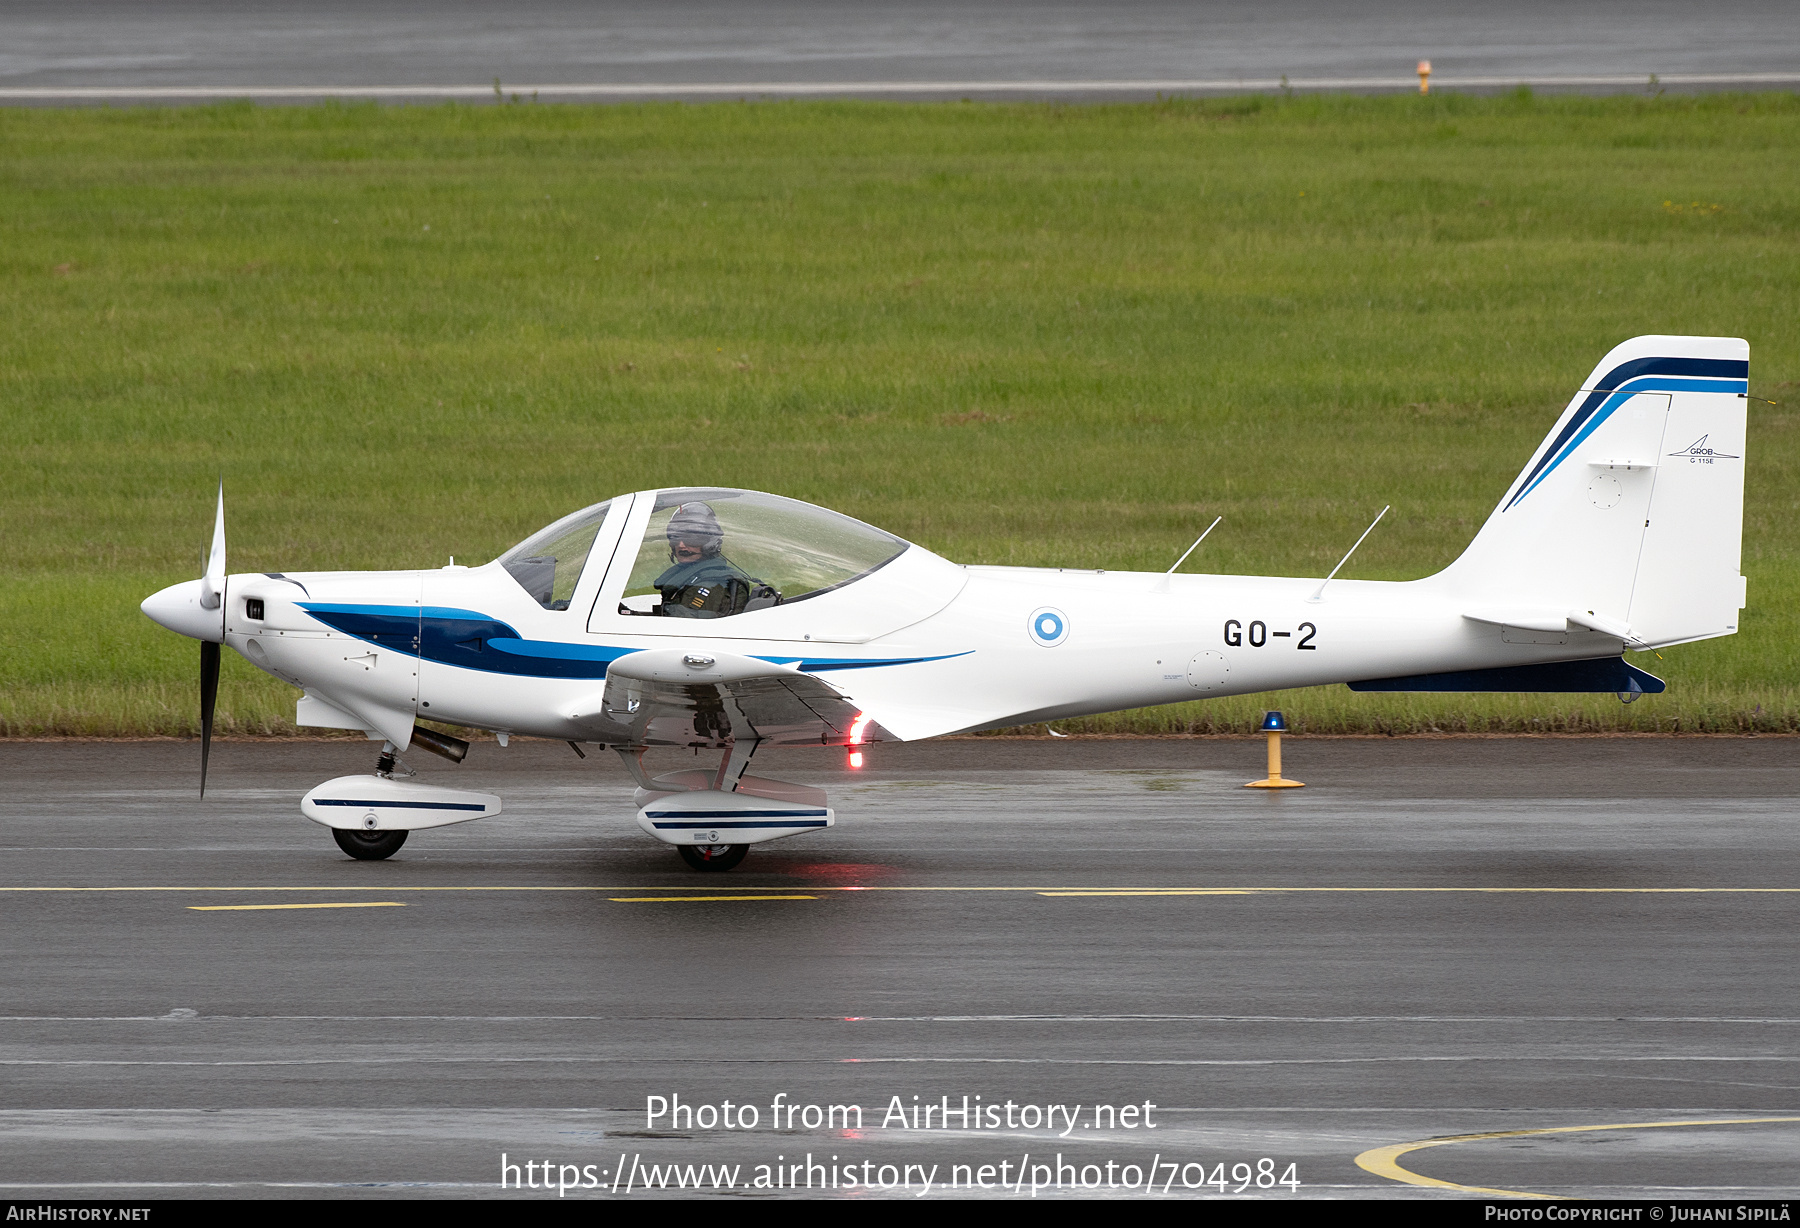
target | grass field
x=1013, y=333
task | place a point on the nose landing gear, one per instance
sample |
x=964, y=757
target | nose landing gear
x=368, y=845
x=369, y=816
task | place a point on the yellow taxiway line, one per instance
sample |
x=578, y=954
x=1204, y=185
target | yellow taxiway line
x=1152, y=891
x=700, y=899
x=1038, y=890
x=1383, y=1161
x=269, y=907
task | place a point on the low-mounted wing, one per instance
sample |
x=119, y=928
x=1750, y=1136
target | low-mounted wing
x=672, y=697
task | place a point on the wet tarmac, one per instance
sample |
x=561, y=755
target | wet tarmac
x=1435, y=938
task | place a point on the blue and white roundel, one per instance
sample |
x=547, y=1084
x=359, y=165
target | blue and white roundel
x=1048, y=627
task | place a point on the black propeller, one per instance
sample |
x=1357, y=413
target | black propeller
x=212, y=597
x=209, y=700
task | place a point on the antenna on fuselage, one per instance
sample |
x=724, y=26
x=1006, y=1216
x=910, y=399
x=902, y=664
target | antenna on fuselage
x=1320, y=595
x=1195, y=546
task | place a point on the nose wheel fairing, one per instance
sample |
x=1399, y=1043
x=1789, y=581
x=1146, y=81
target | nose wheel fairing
x=379, y=803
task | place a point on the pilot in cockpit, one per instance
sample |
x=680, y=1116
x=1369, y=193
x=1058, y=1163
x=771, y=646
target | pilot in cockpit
x=702, y=583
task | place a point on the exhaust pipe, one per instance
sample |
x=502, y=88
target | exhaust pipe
x=453, y=749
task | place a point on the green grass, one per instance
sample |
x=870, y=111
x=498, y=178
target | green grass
x=1018, y=334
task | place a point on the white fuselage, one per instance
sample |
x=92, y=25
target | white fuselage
x=948, y=648
x=713, y=617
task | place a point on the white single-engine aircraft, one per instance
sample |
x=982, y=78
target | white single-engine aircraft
x=732, y=620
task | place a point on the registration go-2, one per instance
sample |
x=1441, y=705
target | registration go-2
x=1258, y=634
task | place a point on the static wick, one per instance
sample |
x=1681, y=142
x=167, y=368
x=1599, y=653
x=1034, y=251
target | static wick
x=1320, y=595
x=1274, y=726
x=1195, y=546
x=1424, y=76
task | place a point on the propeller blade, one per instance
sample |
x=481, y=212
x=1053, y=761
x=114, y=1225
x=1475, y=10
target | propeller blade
x=212, y=584
x=209, y=699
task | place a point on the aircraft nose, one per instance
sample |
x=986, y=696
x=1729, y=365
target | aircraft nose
x=178, y=608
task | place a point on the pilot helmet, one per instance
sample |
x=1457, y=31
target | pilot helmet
x=695, y=524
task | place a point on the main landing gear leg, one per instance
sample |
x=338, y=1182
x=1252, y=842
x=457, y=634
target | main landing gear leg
x=716, y=857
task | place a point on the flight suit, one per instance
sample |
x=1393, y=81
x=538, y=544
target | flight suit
x=708, y=588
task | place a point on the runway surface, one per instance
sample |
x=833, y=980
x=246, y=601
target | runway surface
x=1434, y=938
x=1038, y=48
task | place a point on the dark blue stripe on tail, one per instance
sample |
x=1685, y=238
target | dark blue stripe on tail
x=1704, y=368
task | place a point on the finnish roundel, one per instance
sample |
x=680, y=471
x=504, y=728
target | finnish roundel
x=1048, y=626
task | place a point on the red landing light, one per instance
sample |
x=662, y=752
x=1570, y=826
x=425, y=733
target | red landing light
x=856, y=736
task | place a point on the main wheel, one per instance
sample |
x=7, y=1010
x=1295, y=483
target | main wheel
x=712, y=856
x=368, y=845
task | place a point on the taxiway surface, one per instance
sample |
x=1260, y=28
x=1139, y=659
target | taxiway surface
x=1041, y=48
x=1442, y=937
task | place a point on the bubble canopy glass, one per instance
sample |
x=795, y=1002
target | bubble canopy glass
x=548, y=563
x=795, y=549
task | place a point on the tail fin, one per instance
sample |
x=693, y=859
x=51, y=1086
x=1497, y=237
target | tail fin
x=1629, y=518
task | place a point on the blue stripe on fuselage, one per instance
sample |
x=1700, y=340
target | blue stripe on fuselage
x=471, y=640
x=821, y=665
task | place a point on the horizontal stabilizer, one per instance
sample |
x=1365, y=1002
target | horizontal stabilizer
x=1553, y=621
x=1598, y=674
x=1602, y=624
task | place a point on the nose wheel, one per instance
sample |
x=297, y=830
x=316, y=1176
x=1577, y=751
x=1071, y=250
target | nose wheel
x=715, y=857
x=376, y=845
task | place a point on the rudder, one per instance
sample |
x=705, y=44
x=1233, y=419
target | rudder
x=1630, y=514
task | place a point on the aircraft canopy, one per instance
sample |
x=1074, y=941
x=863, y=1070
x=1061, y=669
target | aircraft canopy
x=770, y=550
